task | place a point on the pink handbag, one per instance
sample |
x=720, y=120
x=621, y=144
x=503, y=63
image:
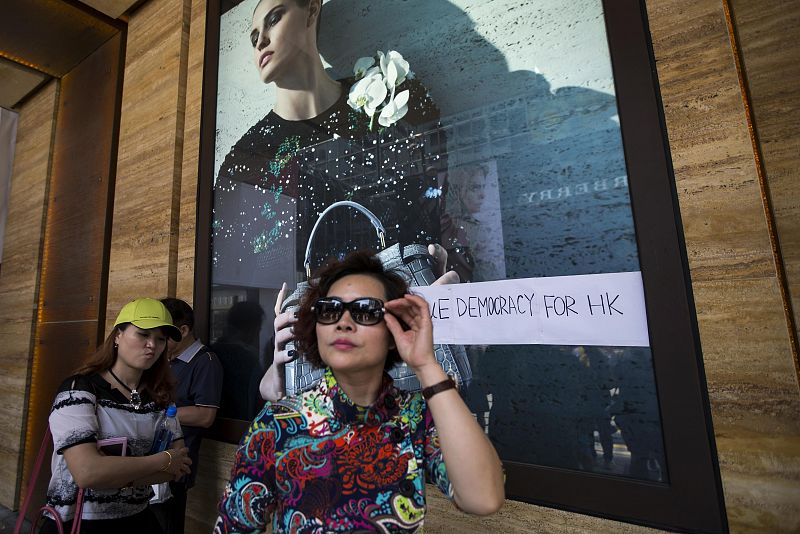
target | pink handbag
x=76, y=523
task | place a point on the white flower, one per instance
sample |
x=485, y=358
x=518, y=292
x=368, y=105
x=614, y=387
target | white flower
x=368, y=93
x=362, y=65
x=394, y=68
x=395, y=110
x=375, y=87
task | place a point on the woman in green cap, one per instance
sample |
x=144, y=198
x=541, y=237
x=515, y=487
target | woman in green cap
x=118, y=394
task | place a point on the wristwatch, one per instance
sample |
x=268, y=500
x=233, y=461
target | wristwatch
x=444, y=385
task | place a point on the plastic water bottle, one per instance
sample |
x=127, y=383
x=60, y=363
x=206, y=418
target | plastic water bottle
x=166, y=430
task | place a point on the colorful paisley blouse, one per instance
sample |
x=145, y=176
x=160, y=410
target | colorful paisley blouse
x=318, y=463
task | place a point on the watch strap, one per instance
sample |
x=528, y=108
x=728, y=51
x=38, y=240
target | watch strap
x=444, y=385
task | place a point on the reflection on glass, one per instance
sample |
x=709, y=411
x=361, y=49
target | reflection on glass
x=529, y=181
x=238, y=351
x=588, y=408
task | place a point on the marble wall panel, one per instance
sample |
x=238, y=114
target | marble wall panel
x=745, y=500
x=71, y=279
x=144, y=234
x=754, y=402
x=717, y=187
x=19, y=277
x=518, y=518
x=743, y=334
x=746, y=346
x=216, y=461
x=187, y=230
x=769, y=39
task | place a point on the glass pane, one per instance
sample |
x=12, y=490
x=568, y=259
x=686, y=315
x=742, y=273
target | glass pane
x=509, y=156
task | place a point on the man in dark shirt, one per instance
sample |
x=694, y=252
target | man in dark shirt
x=198, y=377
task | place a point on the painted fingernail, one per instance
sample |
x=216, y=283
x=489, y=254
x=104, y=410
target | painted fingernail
x=296, y=315
x=292, y=354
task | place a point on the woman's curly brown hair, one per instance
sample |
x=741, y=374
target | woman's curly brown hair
x=361, y=262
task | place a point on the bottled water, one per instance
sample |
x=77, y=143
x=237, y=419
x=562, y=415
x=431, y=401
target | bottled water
x=166, y=430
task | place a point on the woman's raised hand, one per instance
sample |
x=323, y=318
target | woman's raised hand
x=415, y=345
x=272, y=386
x=284, y=321
x=439, y=255
x=179, y=462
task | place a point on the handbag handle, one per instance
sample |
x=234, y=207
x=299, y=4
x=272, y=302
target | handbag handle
x=52, y=511
x=37, y=467
x=348, y=203
x=76, y=519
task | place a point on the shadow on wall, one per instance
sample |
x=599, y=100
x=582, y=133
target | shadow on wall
x=559, y=156
x=468, y=71
x=563, y=195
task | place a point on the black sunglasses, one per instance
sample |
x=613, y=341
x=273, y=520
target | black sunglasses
x=365, y=311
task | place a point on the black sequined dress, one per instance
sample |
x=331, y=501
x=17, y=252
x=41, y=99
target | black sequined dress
x=279, y=177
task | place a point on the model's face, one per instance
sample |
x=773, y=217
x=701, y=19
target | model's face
x=138, y=348
x=473, y=192
x=349, y=346
x=282, y=34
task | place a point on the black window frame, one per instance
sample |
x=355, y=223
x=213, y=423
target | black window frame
x=692, y=500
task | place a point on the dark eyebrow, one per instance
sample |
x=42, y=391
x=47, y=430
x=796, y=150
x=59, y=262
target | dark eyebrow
x=255, y=31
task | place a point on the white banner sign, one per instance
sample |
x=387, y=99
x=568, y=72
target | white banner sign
x=595, y=309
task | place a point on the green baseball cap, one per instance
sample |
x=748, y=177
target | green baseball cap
x=147, y=314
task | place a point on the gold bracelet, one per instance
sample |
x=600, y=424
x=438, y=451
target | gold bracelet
x=169, y=455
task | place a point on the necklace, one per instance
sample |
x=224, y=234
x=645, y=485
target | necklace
x=136, y=399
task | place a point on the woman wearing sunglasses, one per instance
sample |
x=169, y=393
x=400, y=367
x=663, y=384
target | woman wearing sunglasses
x=353, y=453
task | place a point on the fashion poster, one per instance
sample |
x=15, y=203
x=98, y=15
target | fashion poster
x=486, y=128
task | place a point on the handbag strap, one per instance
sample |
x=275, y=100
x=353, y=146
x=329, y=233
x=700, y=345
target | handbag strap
x=50, y=510
x=349, y=203
x=76, y=519
x=37, y=466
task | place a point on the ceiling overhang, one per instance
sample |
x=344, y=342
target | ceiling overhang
x=44, y=39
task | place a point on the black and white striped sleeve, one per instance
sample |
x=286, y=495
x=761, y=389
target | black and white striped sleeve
x=73, y=419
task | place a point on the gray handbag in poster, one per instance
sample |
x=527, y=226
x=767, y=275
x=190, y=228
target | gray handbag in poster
x=414, y=264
